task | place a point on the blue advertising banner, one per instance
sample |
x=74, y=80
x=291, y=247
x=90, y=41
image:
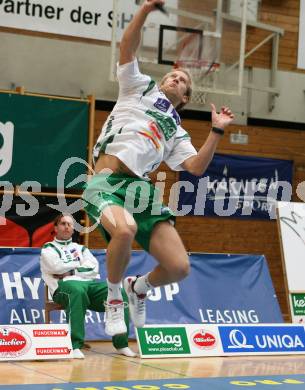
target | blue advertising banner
x=221, y=289
x=236, y=186
x=262, y=339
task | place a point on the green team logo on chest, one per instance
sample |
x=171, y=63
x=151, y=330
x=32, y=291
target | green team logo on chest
x=165, y=123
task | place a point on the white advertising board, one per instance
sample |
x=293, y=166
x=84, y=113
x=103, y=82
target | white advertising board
x=80, y=18
x=35, y=342
x=291, y=217
x=195, y=340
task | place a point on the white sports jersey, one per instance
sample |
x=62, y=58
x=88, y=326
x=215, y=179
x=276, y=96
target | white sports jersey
x=59, y=257
x=143, y=128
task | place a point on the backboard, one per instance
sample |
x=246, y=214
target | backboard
x=202, y=36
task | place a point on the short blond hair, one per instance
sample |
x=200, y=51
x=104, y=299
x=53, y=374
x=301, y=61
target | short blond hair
x=189, y=89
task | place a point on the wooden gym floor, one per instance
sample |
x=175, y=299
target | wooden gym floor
x=103, y=364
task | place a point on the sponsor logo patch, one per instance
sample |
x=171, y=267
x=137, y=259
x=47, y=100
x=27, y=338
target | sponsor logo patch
x=13, y=342
x=204, y=340
x=262, y=339
x=162, y=104
x=163, y=340
x=53, y=351
x=298, y=304
x=50, y=333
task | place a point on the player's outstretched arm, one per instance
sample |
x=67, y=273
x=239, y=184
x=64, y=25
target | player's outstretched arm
x=132, y=35
x=197, y=165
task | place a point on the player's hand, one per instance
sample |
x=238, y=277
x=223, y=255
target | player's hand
x=223, y=118
x=150, y=5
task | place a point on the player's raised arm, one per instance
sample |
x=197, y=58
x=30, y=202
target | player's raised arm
x=197, y=165
x=132, y=35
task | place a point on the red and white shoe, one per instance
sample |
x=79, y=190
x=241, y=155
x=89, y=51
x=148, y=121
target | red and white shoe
x=114, y=322
x=137, y=307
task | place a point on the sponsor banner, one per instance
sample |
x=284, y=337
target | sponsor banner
x=30, y=342
x=213, y=293
x=191, y=340
x=297, y=305
x=164, y=340
x=263, y=339
x=39, y=134
x=236, y=186
x=195, y=340
x=81, y=18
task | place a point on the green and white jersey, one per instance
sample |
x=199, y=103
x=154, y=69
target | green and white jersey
x=143, y=128
x=59, y=257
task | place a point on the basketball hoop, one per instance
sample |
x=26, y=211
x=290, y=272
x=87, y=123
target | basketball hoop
x=197, y=68
x=200, y=71
x=198, y=54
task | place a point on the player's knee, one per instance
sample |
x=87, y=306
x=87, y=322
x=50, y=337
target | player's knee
x=125, y=232
x=181, y=269
x=185, y=269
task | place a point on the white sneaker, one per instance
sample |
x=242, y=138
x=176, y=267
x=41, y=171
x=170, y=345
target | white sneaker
x=77, y=354
x=114, y=322
x=136, y=302
x=126, y=352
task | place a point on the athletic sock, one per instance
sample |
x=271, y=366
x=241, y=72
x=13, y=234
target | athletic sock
x=142, y=285
x=114, y=292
